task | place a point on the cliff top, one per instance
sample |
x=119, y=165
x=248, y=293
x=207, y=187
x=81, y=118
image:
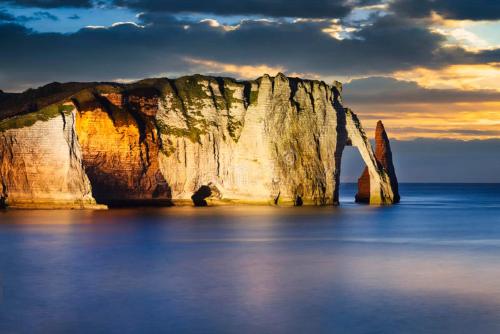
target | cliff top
x=32, y=100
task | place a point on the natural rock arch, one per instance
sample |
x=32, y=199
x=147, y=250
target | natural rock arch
x=378, y=184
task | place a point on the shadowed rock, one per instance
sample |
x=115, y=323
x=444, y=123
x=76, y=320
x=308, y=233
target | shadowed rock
x=200, y=196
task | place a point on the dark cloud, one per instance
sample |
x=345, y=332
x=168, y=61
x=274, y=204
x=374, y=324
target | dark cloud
x=162, y=45
x=384, y=90
x=44, y=16
x=6, y=16
x=74, y=17
x=304, y=47
x=452, y=9
x=489, y=56
x=435, y=160
x=123, y=51
x=265, y=8
x=275, y=8
x=37, y=16
x=48, y=3
x=361, y=3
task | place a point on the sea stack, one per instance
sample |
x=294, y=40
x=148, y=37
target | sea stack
x=383, y=155
x=195, y=140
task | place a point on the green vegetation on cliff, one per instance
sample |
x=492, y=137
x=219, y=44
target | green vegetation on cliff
x=43, y=115
x=190, y=91
x=233, y=127
x=186, y=96
x=254, y=95
x=192, y=132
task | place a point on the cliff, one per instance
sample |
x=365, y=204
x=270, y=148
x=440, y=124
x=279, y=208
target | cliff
x=196, y=139
x=41, y=164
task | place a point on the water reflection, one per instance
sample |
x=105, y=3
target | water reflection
x=412, y=268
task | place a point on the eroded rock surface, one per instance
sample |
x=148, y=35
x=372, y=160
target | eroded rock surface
x=269, y=141
x=41, y=164
x=120, y=151
x=196, y=139
x=383, y=156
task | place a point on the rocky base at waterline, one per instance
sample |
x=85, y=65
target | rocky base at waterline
x=193, y=140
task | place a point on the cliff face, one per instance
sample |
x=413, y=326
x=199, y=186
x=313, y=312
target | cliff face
x=196, y=139
x=269, y=141
x=120, y=151
x=41, y=164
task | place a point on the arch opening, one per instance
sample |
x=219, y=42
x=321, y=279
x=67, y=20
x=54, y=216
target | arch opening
x=351, y=167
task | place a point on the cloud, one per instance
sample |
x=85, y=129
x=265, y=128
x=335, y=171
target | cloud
x=244, y=72
x=74, y=17
x=6, y=16
x=275, y=8
x=161, y=43
x=386, y=90
x=462, y=120
x=464, y=77
x=411, y=111
x=263, y=8
x=36, y=16
x=48, y=3
x=44, y=16
x=453, y=131
x=451, y=9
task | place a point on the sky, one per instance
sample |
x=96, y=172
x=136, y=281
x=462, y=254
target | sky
x=429, y=69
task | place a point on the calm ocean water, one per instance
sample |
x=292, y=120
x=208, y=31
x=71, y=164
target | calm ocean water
x=428, y=265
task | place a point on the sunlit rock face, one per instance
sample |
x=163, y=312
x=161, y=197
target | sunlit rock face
x=383, y=157
x=268, y=141
x=120, y=147
x=41, y=164
x=194, y=140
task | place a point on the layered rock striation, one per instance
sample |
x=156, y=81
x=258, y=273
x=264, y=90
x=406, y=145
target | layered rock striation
x=41, y=164
x=194, y=140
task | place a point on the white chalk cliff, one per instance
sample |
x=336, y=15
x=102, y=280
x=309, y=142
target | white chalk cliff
x=196, y=139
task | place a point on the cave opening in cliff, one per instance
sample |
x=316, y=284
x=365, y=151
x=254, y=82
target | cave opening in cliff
x=352, y=166
x=199, y=197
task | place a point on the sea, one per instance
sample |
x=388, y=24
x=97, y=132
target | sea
x=430, y=264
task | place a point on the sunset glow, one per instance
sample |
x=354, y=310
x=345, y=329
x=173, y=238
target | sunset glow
x=465, y=77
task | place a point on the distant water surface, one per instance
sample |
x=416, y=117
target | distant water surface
x=428, y=265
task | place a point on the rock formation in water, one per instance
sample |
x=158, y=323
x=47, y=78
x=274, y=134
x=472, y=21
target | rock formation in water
x=383, y=155
x=196, y=139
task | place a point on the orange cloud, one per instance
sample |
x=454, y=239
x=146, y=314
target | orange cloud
x=241, y=71
x=478, y=76
x=456, y=120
